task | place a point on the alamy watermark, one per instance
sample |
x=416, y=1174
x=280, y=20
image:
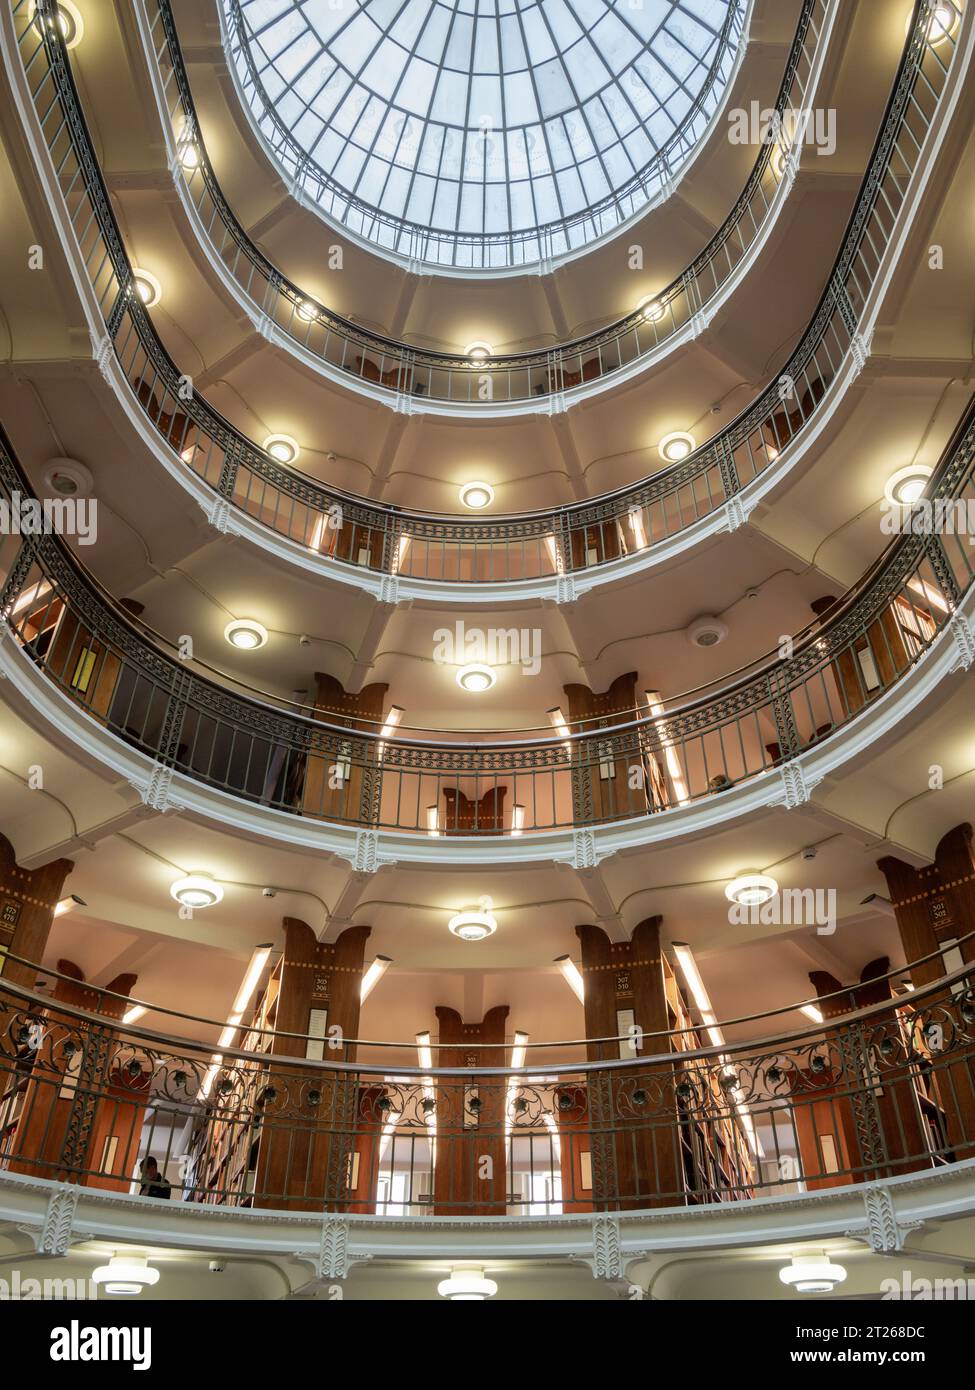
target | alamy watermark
x=63, y=516
x=937, y=516
x=758, y=125
x=790, y=907
x=492, y=646
x=18, y=1289
x=908, y=1287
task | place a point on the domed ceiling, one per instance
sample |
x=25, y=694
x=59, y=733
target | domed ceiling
x=482, y=134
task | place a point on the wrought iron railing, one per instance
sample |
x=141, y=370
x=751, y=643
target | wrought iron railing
x=405, y=371
x=311, y=763
x=424, y=245
x=534, y=545
x=868, y=1093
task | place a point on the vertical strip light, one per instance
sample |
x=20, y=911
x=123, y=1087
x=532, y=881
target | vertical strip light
x=424, y=1055
x=241, y=1003
x=655, y=705
x=694, y=982
x=518, y=1050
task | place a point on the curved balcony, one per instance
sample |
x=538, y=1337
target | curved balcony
x=865, y=1094
x=360, y=539
x=628, y=770
x=416, y=379
x=483, y=253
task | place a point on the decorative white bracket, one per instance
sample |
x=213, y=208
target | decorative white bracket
x=156, y=793
x=53, y=1238
x=964, y=639
x=861, y=347
x=218, y=515
x=883, y=1232
x=565, y=588
x=735, y=512
x=796, y=788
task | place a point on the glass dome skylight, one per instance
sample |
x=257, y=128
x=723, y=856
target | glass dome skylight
x=482, y=134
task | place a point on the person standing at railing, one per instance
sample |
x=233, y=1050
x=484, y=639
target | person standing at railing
x=153, y=1183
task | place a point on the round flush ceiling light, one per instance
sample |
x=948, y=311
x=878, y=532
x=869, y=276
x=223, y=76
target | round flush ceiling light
x=126, y=1274
x=308, y=311
x=906, y=486
x=197, y=890
x=68, y=21
x=652, y=310
x=751, y=889
x=282, y=448
x=186, y=149
x=942, y=23
x=474, y=924
x=477, y=495
x=465, y=1285
x=812, y=1273
x=476, y=679
x=478, y=352
x=676, y=446
x=68, y=478
x=245, y=634
x=146, y=286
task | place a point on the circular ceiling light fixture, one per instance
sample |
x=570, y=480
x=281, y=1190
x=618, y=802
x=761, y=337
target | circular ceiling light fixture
x=126, y=1274
x=478, y=352
x=751, y=889
x=146, y=286
x=944, y=18
x=476, y=679
x=246, y=634
x=780, y=161
x=186, y=149
x=197, y=890
x=68, y=478
x=282, y=448
x=69, y=23
x=465, y=1285
x=308, y=311
x=707, y=631
x=812, y=1273
x=651, y=309
x=906, y=486
x=477, y=495
x=676, y=446
x=474, y=924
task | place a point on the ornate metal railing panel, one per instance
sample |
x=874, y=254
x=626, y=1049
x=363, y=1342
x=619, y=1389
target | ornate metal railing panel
x=425, y=246
x=480, y=550
x=874, y=1093
x=406, y=371
x=307, y=763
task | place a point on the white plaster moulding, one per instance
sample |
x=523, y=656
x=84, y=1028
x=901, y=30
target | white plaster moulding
x=46, y=708
x=943, y=1194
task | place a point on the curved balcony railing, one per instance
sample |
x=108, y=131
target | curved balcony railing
x=312, y=763
x=408, y=373
x=426, y=246
x=869, y=1093
x=534, y=545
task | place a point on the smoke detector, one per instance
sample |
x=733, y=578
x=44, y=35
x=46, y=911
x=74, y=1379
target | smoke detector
x=707, y=631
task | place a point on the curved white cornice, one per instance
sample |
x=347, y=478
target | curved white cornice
x=44, y=705
x=882, y=1215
